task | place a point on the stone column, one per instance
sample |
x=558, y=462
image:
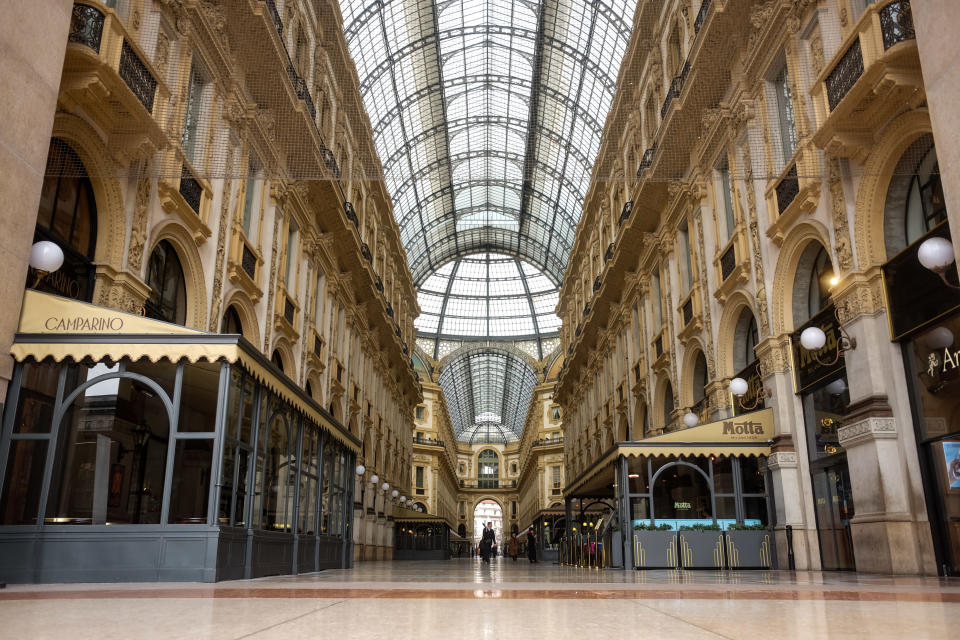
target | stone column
x=937, y=23
x=889, y=528
x=357, y=519
x=33, y=40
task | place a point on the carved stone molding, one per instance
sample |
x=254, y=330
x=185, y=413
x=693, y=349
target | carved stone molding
x=860, y=294
x=774, y=355
x=874, y=428
x=782, y=460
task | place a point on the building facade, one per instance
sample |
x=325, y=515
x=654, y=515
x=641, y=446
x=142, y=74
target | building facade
x=202, y=170
x=749, y=188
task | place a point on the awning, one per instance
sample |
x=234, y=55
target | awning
x=749, y=434
x=60, y=328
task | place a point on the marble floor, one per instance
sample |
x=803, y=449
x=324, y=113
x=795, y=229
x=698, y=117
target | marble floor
x=466, y=599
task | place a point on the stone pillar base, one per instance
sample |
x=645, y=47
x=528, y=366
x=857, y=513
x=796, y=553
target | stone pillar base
x=369, y=552
x=388, y=553
x=804, y=557
x=357, y=552
x=890, y=545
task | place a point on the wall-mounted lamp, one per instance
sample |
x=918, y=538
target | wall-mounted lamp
x=690, y=419
x=739, y=387
x=937, y=255
x=395, y=494
x=385, y=486
x=361, y=469
x=813, y=339
x=45, y=258
x=374, y=479
x=403, y=499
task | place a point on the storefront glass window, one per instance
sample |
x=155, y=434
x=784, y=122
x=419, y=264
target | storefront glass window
x=24, y=478
x=308, y=480
x=280, y=471
x=723, y=475
x=191, y=481
x=38, y=394
x=199, y=392
x=111, y=454
x=825, y=408
x=682, y=495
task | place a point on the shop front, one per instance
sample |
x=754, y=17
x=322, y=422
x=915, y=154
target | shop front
x=694, y=498
x=924, y=316
x=136, y=450
x=420, y=536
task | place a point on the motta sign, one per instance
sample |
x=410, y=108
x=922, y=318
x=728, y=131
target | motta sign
x=742, y=427
x=757, y=426
x=681, y=505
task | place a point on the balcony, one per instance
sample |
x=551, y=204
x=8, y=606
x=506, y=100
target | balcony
x=875, y=72
x=108, y=77
x=428, y=442
x=488, y=484
x=186, y=196
x=731, y=267
x=316, y=355
x=285, y=314
x=795, y=192
x=548, y=442
x=244, y=264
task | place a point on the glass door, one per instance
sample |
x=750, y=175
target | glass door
x=833, y=501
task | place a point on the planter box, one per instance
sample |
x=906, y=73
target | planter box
x=701, y=549
x=616, y=549
x=655, y=550
x=749, y=549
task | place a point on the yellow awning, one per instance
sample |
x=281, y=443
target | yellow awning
x=749, y=434
x=59, y=328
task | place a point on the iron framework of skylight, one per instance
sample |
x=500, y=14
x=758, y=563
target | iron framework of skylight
x=488, y=297
x=487, y=115
x=488, y=392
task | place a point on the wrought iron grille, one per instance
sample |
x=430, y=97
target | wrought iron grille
x=248, y=262
x=351, y=214
x=190, y=189
x=597, y=283
x=330, y=162
x=288, y=310
x=687, y=311
x=627, y=209
x=701, y=16
x=676, y=88
x=365, y=252
x=844, y=75
x=300, y=88
x=86, y=26
x=389, y=309
x=728, y=262
x=577, y=332
x=379, y=284
x=658, y=346
x=586, y=308
x=277, y=21
x=647, y=159
x=608, y=255
x=136, y=76
x=896, y=23
x=787, y=189
x=636, y=373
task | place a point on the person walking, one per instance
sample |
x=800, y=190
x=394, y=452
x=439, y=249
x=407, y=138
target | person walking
x=513, y=548
x=531, y=545
x=487, y=540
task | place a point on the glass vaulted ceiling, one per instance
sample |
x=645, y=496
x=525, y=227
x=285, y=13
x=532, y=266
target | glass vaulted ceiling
x=487, y=116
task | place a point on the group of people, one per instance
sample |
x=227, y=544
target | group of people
x=489, y=539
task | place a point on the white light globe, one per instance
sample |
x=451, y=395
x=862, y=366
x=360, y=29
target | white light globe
x=813, y=338
x=395, y=493
x=361, y=469
x=374, y=479
x=837, y=387
x=739, y=387
x=935, y=254
x=46, y=256
x=403, y=499
x=690, y=419
x=385, y=486
x=940, y=338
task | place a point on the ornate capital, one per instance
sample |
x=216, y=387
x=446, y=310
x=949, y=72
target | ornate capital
x=782, y=460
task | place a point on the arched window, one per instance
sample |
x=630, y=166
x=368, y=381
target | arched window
x=667, y=403
x=277, y=360
x=488, y=466
x=699, y=382
x=812, y=283
x=68, y=216
x=168, y=289
x=231, y=321
x=745, y=338
x=925, y=207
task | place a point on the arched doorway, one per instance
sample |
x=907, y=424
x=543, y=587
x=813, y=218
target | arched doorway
x=67, y=216
x=487, y=511
x=168, y=289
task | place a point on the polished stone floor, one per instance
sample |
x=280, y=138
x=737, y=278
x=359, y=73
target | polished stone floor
x=466, y=599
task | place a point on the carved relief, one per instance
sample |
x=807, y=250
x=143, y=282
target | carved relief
x=838, y=208
x=275, y=249
x=757, y=257
x=217, y=298
x=705, y=312
x=138, y=228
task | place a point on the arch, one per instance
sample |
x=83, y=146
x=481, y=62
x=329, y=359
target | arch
x=665, y=401
x=906, y=216
x=245, y=308
x=108, y=193
x=335, y=410
x=878, y=172
x=182, y=241
x=168, y=289
x=788, y=261
x=641, y=419
x=283, y=347
x=623, y=429
x=693, y=350
x=731, y=334
x=314, y=386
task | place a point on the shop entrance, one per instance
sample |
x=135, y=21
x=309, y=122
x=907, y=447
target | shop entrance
x=833, y=501
x=487, y=511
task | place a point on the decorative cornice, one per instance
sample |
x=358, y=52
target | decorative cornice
x=874, y=428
